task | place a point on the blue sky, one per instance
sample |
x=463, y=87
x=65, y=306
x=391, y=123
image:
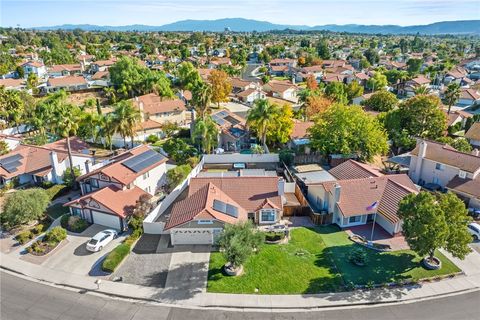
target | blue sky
x=30, y=13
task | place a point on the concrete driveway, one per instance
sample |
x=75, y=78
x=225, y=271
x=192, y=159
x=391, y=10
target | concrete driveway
x=188, y=271
x=75, y=258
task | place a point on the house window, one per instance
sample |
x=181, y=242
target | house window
x=462, y=174
x=439, y=166
x=148, y=189
x=146, y=175
x=268, y=215
x=205, y=222
x=76, y=211
x=354, y=219
x=94, y=183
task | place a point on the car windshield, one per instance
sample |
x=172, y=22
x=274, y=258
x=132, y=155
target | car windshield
x=93, y=242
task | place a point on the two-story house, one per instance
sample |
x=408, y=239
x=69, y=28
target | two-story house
x=433, y=164
x=233, y=135
x=110, y=193
x=35, y=67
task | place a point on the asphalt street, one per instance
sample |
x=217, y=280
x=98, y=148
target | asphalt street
x=23, y=299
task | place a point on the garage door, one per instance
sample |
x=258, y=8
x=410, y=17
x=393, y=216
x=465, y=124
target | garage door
x=191, y=236
x=107, y=220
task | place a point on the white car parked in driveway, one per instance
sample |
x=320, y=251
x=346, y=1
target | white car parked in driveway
x=474, y=229
x=101, y=239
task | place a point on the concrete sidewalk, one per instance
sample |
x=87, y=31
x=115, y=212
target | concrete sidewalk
x=203, y=299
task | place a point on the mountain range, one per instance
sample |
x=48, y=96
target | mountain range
x=248, y=25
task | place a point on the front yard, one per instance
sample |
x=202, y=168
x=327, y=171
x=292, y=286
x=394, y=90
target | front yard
x=309, y=262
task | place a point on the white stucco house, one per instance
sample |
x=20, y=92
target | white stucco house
x=110, y=193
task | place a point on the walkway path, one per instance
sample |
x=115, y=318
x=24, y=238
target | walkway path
x=466, y=283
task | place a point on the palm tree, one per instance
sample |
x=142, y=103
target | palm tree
x=108, y=127
x=202, y=98
x=207, y=131
x=127, y=118
x=65, y=122
x=90, y=125
x=422, y=90
x=260, y=117
x=452, y=94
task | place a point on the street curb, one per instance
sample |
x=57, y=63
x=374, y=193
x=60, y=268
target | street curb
x=258, y=308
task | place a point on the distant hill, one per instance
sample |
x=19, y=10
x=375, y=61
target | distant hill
x=247, y=25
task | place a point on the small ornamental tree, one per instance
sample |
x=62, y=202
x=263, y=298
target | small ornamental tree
x=431, y=222
x=381, y=101
x=239, y=241
x=24, y=206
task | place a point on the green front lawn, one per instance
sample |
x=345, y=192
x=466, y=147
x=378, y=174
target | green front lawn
x=301, y=266
x=307, y=264
x=382, y=267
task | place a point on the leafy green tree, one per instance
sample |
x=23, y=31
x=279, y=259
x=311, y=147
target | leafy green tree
x=353, y=90
x=372, y=56
x=460, y=144
x=348, y=130
x=414, y=65
x=322, y=49
x=206, y=133
x=381, y=101
x=336, y=90
x=12, y=108
x=3, y=148
x=452, y=94
x=178, y=150
x=188, y=76
x=239, y=241
x=377, y=82
x=68, y=179
x=431, y=222
x=280, y=129
x=24, y=206
x=176, y=175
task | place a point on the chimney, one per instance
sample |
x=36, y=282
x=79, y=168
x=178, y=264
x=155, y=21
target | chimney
x=336, y=194
x=55, y=166
x=281, y=187
x=476, y=152
x=88, y=166
x=422, y=151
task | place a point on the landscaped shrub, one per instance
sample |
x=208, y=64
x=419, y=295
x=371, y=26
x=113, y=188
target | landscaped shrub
x=358, y=256
x=115, y=257
x=37, y=248
x=39, y=228
x=274, y=236
x=24, y=206
x=73, y=223
x=55, y=235
x=24, y=236
x=152, y=138
x=56, y=191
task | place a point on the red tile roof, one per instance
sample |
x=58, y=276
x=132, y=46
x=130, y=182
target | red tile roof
x=66, y=81
x=153, y=103
x=117, y=171
x=119, y=201
x=300, y=129
x=199, y=205
x=352, y=169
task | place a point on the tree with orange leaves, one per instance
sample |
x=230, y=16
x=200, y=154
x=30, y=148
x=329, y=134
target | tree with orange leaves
x=221, y=86
x=317, y=104
x=312, y=82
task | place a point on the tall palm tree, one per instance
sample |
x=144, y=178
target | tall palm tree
x=90, y=123
x=260, y=117
x=108, y=127
x=202, y=98
x=207, y=131
x=127, y=119
x=452, y=94
x=422, y=90
x=66, y=119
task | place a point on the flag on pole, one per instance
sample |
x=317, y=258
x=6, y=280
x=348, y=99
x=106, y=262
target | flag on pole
x=373, y=206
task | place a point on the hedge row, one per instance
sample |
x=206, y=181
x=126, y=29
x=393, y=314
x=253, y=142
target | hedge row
x=115, y=257
x=56, y=191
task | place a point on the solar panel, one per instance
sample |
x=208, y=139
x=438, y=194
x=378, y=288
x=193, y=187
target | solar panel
x=218, y=120
x=223, y=114
x=11, y=163
x=143, y=160
x=219, y=206
x=232, y=120
x=226, y=208
x=232, y=211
